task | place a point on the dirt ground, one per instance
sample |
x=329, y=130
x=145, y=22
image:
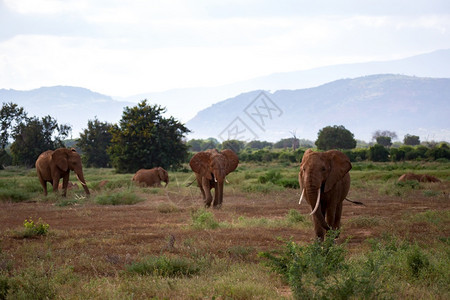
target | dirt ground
x=120, y=234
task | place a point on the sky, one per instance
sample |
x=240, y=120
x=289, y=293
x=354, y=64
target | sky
x=123, y=48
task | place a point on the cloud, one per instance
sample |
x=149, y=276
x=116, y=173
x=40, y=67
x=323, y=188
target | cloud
x=123, y=48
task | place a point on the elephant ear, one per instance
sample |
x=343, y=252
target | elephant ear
x=60, y=157
x=233, y=160
x=340, y=165
x=162, y=173
x=200, y=164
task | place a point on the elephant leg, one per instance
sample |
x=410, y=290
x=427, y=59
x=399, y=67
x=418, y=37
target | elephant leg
x=55, y=184
x=318, y=229
x=337, y=216
x=65, y=183
x=43, y=183
x=206, y=192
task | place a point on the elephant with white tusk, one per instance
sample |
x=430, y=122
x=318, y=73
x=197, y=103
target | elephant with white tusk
x=325, y=181
x=51, y=166
x=210, y=168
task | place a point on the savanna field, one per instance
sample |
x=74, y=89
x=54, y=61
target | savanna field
x=128, y=242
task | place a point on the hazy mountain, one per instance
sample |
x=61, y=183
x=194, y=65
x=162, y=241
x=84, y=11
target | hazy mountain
x=434, y=64
x=404, y=104
x=69, y=105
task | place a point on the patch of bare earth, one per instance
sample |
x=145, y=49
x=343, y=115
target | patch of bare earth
x=117, y=235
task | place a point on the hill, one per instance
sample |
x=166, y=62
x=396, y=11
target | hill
x=69, y=105
x=404, y=104
x=434, y=64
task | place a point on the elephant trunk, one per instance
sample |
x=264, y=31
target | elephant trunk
x=317, y=211
x=218, y=191
x=83, y=182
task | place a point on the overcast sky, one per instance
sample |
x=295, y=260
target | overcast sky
x=122, y=48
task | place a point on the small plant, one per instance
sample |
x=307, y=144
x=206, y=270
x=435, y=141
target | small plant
x=166, y=208
x=164, y=266
x=127, y=197
x=202, y=219
x=294, y=217
x=35, y=228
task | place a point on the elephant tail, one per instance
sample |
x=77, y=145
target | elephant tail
x=355, y=202
x=189, y=184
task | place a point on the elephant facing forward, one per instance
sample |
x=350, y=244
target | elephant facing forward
x=51, y=166
x=151, y=177
x=210, y=168
x=325, y=182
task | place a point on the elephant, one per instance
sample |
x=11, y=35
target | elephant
x=325, y=181
x=418, y=177
x=210, y=168
x=52, y=165
x=151, y=177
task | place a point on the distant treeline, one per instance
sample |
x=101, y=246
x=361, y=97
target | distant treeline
x=143, y=138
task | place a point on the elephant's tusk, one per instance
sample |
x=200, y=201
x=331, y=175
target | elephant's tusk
x=301, y=196
x=226, y=180
x=317, y=203
x=215, y=180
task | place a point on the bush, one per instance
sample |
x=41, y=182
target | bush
x=164, y=266
x=34, y=229
x=378, y=153
x=203, y=219
x=118, y=198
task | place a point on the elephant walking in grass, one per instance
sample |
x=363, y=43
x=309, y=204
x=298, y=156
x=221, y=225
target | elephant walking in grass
x=51, y=166
x=151, y=177
x=210, y=168
x=325, y=181
x=418, y=177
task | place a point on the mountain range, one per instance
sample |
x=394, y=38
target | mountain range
x=434, y=64
x=403, y=104
x=278, y=105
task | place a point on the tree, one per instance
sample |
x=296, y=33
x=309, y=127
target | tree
x=335, y=137
x=9, y=113
x=385, y=141
x=234, y=145
x=145, y=139
x=258, y=145
x=93, y=142
x=411, y=140
x=32, y=136
x=378, y=153
x=385, y=133
x=198, y=145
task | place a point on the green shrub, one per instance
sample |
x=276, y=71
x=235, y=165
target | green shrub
x=271, y=176
x=34, y=229
x=164, y=266
x=203, y=219
x=118, y=198
x=294, y=217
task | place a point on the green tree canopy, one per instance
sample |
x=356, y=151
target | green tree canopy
x=258, y=145
x=385, y=141
x=93, y=142
x=145, y=139
x=198, y=145
x=335, y=137
x=234, y=145
x=10, y=113
x=378, y=153
x=32, y=136
x=411, y=140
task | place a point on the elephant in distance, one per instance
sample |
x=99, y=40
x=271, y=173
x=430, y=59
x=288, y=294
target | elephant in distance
x=210, y=168
x=418, y=177
x=325, y=181
x=151, y=177
x=52, y=165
